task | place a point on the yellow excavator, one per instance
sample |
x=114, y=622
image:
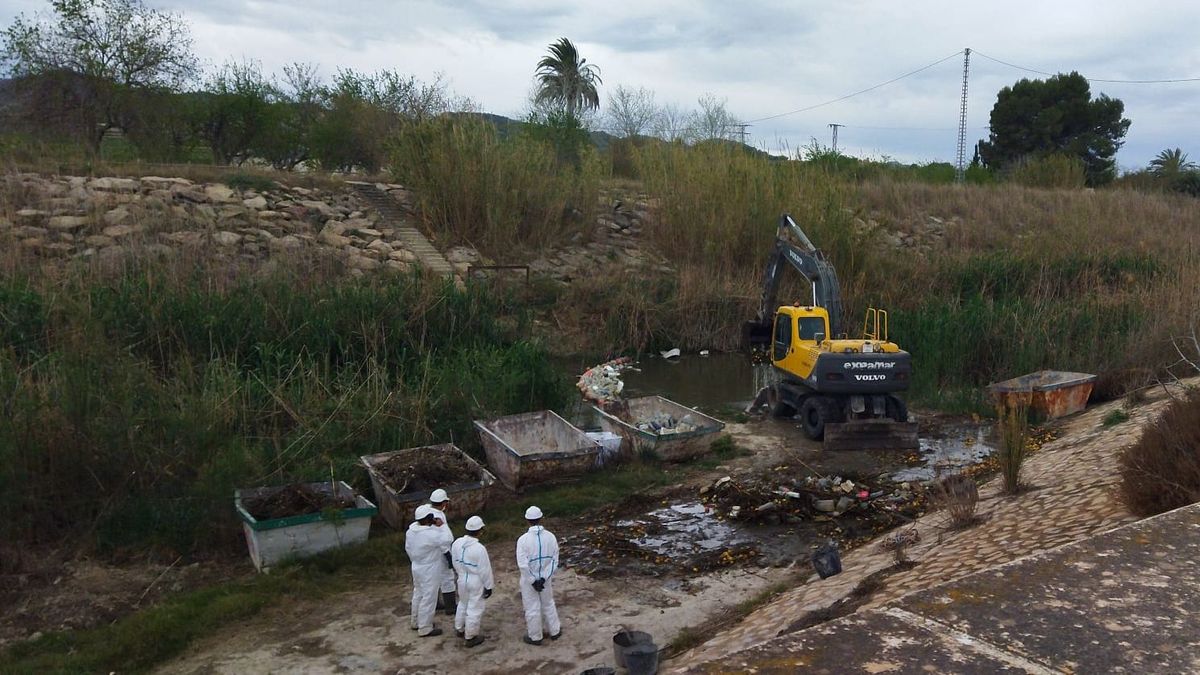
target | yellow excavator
x=842, y=389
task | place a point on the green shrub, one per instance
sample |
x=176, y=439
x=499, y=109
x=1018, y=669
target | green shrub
x=1114, y=417
x=249, y=181
x=1051, y=171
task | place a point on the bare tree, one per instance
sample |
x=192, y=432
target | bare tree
x=103, y=50
x=670, y=124
x=712, y=121
x=631, y=111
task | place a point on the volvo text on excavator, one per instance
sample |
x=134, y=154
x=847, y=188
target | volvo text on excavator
x=843, y=389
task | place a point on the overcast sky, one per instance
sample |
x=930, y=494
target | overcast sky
x=765, y=58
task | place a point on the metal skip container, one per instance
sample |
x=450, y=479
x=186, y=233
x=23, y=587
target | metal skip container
x=1047, y=394
x=397, y=508
x=668, y=446
x=279, y=539
x=536, y=447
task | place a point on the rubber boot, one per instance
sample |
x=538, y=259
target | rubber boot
x=450, y=600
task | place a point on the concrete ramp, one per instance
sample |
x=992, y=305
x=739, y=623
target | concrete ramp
x=1127, y=600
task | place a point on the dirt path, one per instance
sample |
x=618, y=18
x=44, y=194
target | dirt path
x=367, y=631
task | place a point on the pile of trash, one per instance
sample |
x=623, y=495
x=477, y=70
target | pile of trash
x=426, y=470
x=778, y=499
x=662, y=424
x=602, y=384
x=297, y=499
x=650, y=537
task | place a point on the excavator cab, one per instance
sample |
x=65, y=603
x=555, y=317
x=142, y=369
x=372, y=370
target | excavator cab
x=799, y=332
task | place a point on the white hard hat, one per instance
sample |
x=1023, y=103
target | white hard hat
x=422, y=511
x=533, y=513
x=439, y=495
x=474, y=524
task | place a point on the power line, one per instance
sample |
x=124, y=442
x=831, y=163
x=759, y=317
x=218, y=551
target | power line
x=861, y=91
x=859, y=126
x=1089, y=79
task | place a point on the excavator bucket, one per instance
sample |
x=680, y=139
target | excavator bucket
x=873, y=434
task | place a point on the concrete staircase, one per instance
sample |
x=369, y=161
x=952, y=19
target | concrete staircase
x=394, y=217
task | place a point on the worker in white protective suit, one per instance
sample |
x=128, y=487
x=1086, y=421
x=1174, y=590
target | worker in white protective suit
x=537, y=558
x=426, y=543
x=439, y=502
x=475, y=582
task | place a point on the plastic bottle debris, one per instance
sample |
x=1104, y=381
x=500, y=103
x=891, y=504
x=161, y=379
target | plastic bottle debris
x=603, y=383
x=662, y=424
x=703, y=352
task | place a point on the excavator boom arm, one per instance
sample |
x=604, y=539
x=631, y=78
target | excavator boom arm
x=811, y=263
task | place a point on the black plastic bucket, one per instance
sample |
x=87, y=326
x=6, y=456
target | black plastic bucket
x=642, y=659
x=625, y=639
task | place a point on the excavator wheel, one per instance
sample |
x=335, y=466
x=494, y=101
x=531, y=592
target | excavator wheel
x=896, y=409
x=814, y=413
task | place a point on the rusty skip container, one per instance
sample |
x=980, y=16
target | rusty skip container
x=1048, y=394
x=537, y=447
x=669, y=447
x=397, y=508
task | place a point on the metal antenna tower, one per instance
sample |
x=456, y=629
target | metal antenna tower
x=835, y=128
x=960, y=169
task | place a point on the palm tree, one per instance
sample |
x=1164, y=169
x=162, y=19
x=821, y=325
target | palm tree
x=567, y=80
x=1171, y=163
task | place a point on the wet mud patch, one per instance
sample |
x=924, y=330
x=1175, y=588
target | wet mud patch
x=774, y=518
x=948, y=445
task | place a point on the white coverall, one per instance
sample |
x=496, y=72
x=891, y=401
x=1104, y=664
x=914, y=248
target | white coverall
x=474, y=570
x=537, y=557
x=426, y=546
x=447, y=580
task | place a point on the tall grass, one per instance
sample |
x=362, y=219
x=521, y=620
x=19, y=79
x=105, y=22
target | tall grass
x=1014, y=436
x=134, y=405
x=1017, y=279
x=503, y=196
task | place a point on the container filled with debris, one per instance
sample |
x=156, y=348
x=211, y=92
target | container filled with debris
x=300, y=520
x=403, y=479
x=536, y=447
x=660, y=427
